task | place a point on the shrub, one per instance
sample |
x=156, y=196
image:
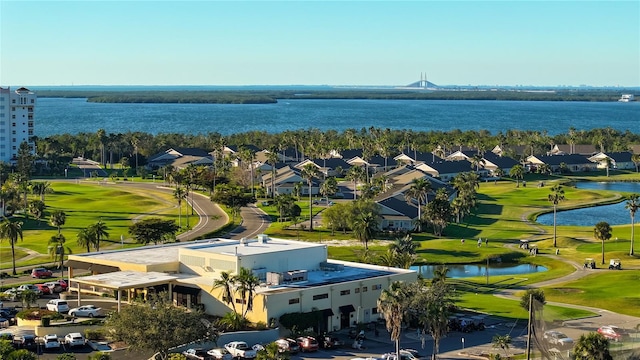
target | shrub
x=37, y=314
x=261, y=325
x=93, y=334
x=99, y=356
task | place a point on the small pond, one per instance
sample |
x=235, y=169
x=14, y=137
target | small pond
x=464, y=271
x=614, y=214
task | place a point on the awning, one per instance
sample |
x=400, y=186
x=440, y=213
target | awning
x=96, y=268
x=185, y=290
x=327, y=312
x=347, y=309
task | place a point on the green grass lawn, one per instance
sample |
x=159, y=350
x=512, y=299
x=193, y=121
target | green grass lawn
x=84, y=204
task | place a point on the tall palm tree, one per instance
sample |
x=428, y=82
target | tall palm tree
x=635, y=158
x=57, y=250
x=98, y=232
x=247, y=284
x=602, y=232
x=365, y=226
x=85, y=238
x=517, y=172
x=58, y=218
x=308, y=172
x=41, y=188
x=226, y=282
x=272, y=159
x=633, y=204
x=355, y=174
x=557, y=195
x=179, y=194
x=12, y=231
x=418, y=191
x=329, y=187
x=393, y=306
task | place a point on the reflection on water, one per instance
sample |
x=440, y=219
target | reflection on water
x=463, y=271
x=614, y=214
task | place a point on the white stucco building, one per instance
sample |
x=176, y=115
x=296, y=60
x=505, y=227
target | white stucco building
x=17, y=117
x=294, y=277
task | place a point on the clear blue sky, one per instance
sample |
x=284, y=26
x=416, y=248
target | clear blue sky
x=318, y=42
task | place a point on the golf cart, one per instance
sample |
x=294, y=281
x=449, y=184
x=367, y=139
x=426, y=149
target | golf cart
x=615, y=264
x=589, y=263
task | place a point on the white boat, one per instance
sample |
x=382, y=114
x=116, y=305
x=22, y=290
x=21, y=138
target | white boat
x=626, y=98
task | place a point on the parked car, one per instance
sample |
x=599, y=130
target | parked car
x=404, y=355
x=4, y=322
x=74, y=339
x=220, y=354
x=51, y=342
x=30, y=287
x=57, y=286
x=41, y=273
x=28, y=342
x=58, y=305
x=554, y=337
x=307, y=343
x=86, y=311
x=614, y=333
x=10, y=294
x=44, y=289
x=195, y=353
x=289, y=345
x=331, y=342
x=9, y=314
x=240, y=349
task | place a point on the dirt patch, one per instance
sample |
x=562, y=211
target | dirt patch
x=568, y=290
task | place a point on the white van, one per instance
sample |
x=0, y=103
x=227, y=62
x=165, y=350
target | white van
x=58, y=305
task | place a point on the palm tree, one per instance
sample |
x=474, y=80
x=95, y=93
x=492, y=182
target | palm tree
x=477, y=160
x=272, y=159
x=635, y=158
x=607, y=163
x=355, y=174
x=85, y=238
x=365, y=226
x=502, y=342
x=418, y=191
x=392, y=304
x=602, y=232
x=517, y=172
x=633, y=204
x=12, y=231
x=179, y=194
x=57, y=250
x=98, y=231
x=329, y=187
x=557, y=195
x=57, y=219
x=246, y=286
x=592, y=346
x=308, y=172
x=226, y=282
x=41, y=188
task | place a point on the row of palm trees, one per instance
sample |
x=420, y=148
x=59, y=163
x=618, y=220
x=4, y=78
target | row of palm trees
x=244, y=285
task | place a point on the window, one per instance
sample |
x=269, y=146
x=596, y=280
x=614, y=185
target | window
x=357, y=290
x=376, y=287
x=345, y=292
x=320, y=296
x=294, y=301
x=374, y=310
x=240, y=301
x=364, y=289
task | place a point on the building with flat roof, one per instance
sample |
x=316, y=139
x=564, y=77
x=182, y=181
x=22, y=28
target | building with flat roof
x=17, y=112
x=293, y=276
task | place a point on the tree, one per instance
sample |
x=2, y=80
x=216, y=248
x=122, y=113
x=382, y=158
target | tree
x=153, y=230
x=602, y=232
x=502, y=342
x=57, y=219
x=537, y=294
x=57, y=250
x=556, y=196
x=364, y=225
x=246, y=284
x=418, y=191
x=24, y=163
x=633, y=204
x=36, y=208
x=607, y=164
x=517, y=172
x=431, y=305
x=329, y=187
x=180, y=195
x=226, y=282
x=635, y=158
x=392, y=304
x=272, y=159
x=234, y=197
x=272, y=351
x=12, y=231
x=355, y=174
x=308, y=172
x=85, y=238
x=22, y=354
x=66, y=356
x=41, y=188
x=285, y=204
x=158, y=326
x=98, y=231
x=438, y=212
x=592, y=346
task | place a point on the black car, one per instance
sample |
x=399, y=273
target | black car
x=9, y=315
x=28, y=342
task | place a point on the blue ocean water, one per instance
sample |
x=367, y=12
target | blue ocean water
x=61, y=115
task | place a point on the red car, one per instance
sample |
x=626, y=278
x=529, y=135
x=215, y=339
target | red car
x=44, y=288
x=307, y=343
x=613, y=333
x=40, y=273
x=57, y=286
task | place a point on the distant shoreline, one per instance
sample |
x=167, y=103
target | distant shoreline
x=272, y=96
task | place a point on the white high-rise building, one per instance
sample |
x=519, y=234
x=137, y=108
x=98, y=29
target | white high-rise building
x=17, y=116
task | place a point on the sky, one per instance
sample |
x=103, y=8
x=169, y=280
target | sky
x=506, y=43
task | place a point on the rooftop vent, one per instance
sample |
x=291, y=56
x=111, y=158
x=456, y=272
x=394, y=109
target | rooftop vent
x=262, y=238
